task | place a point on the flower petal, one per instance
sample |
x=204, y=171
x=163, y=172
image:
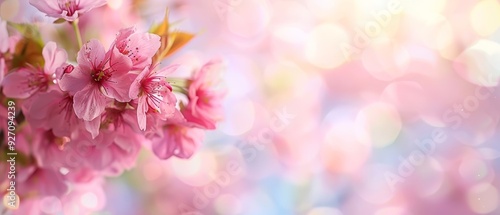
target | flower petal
x=93, y=126
x=165, y=71
x=87, y=5
x=51, y=8
x=178, y=141
x=141, y=48
x=135, y=87
x=16, y=84
x=89, y=103
x=119, y=63
x=142, y=109
x=54, y=57
x=76, y=80
x=92, y=55
x=118, y=88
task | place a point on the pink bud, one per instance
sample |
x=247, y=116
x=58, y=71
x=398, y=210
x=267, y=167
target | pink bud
x=69, y=69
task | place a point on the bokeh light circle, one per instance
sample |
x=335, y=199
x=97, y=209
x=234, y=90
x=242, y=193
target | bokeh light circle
x=485, y=17
x=9, y=9
x=50, y=205
x=483, y=198
x=196, y=171
x=379, y=124
x=323, y=46
x=373, y=185
x=89, y=200
x=474, y=170
x=385, y=60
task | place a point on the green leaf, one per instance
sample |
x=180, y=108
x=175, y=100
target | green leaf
x=27, y=52
x=59, y=21
x=29, y=31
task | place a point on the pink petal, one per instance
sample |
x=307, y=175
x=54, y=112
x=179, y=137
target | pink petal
x=175, y=118
x=47, y=182
x=93, y=126
x=51, y=8
x=164, y=149
x=87, y=5
x=121, y=39
x=211, y=71
x=15, y=84
x=142, y=109
x=89, y=103
x=76, y=80
x=54, y=57
x=43, y=104
x=178, y=141
x=41, y=108
x=165, y=71
x=135, y=87
x=68, y=127
x=129, y=116
x=92, y=55
x=99, y=159
x=119, y=63
x=141, y=48
x=118, y=88
x=167, y=108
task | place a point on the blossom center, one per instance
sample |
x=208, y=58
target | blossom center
x=100, y=76
x=156, y=88
x=68, y=5
x=38, y=80
x=155, y=85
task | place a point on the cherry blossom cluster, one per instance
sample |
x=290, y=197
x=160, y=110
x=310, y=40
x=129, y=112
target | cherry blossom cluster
x=79, y=121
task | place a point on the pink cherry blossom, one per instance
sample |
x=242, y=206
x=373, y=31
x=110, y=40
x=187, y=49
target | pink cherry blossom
x=177, y=140
x=204, y=107
x=110, y=153
x=31, y=178
x=48, y=148
x=74, y=123
x=117, y=119
x=45, y=182
x=49, y=109
x=153, y=94
x=66, y=9
x=27, y=81
x=98, y=77
x=139, y=47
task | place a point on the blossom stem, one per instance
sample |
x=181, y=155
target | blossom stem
x=77, y=32
x=179, y=82
x=179, y=89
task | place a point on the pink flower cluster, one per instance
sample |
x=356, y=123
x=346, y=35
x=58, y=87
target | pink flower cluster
x=80, y=121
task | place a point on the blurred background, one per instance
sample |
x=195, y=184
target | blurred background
x=384, y=107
